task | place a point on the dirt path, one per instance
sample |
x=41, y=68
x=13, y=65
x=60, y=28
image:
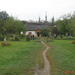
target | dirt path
x=46, y=70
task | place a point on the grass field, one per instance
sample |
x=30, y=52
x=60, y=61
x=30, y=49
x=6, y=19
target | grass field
x=62, y=57
x=20, y=58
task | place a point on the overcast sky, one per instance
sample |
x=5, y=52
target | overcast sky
x=32, y=9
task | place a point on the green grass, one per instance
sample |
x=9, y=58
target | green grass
x=62, y=57
x=20, y=58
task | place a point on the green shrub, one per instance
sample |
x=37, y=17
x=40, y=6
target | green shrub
x=1, y=37
x=17, y=38
x=14, y=38
x=22, y=36
x=28, y=38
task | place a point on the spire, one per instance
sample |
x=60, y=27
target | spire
x=39, y=19
x=53, y=20
x=46, y=17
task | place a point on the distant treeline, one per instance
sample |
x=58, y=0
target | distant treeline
x=66, y=25
x=62, y=27
x=11, y=27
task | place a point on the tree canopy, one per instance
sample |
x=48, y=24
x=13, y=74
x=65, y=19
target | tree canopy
x=9, y=25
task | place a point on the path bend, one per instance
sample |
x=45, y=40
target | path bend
x=46, y=69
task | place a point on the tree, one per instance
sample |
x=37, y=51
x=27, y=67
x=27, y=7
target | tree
x=13, y=26
x=9, y=25
x=3, y=15
x=67, y=24
x=45, y=32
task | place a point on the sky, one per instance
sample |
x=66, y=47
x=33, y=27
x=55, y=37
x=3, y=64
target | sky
x=33, y=9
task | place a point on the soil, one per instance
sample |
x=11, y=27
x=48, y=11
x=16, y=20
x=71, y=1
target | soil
x=46, y=69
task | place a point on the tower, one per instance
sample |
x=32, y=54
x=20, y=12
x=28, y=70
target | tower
x=53, y=20
x=45, y=17
x=39, y=19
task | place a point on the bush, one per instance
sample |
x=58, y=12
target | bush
x=73, y=42
x=28, y=38
x=45, y=32
x=5, y=44
x=22, y=36
x=17, y=38
x=14, y=38
x=1, y=37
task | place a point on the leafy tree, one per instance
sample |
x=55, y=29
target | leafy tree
x=67, y=24
x=45, y=32
x=3, y=15
x=9, y=25
x=13, y=26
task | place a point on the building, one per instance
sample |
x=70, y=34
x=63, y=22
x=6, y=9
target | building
x=38, y=26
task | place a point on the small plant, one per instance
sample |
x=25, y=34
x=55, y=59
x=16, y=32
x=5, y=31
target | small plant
x=17, y=38
x=5, y=44
x=14, y=38
x=73, y=42
x=1, y=37
x=28, y=38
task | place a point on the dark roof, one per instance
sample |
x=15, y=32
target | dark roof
x=36, y=26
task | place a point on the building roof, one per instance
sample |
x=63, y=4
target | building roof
x=37, y=26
